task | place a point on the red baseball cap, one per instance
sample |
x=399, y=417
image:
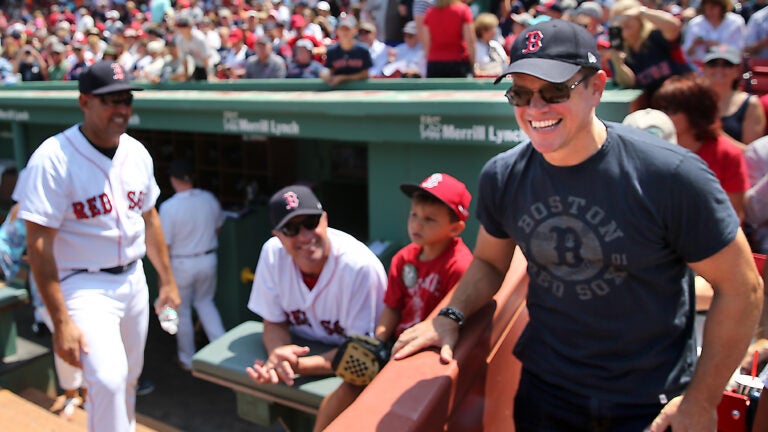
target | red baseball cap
x=235, y=35
x=297, y=21
x=445, y=188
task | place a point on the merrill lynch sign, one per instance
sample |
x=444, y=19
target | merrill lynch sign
x=432, y=128
x=233, y=123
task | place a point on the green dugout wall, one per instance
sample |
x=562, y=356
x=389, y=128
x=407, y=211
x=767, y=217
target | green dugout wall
x=354, y=144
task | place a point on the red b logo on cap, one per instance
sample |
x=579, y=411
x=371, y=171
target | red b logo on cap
x=533, y=42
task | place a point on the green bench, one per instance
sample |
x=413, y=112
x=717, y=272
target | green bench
x=224, y=360
x=10, y=298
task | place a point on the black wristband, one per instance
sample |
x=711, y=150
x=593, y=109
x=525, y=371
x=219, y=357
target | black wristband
x=453, y=314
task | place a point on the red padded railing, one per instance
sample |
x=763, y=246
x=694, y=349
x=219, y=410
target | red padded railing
x=420, y=394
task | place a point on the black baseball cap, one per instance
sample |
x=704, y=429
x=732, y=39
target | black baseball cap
x=292, y=201
x=105, y=76
x=553, y=51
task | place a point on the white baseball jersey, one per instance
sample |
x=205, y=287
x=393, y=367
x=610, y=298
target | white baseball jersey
x=190, y=219
x=347, y=299
x=95, y=202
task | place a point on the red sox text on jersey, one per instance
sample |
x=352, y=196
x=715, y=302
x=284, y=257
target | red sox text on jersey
x=298, y=318
x=102, y=205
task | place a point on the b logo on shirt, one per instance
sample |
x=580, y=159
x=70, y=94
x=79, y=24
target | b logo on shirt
x=533, y=42
x=291, y=200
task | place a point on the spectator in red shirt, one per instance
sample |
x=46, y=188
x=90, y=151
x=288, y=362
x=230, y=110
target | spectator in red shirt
x=449, y=40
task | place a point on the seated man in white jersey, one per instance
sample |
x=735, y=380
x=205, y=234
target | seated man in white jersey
x=311, y=281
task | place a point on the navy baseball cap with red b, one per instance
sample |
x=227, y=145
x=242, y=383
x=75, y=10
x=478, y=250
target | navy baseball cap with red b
x=292, y=201
x=553, y=51
x=447, y=189
x=105, y=76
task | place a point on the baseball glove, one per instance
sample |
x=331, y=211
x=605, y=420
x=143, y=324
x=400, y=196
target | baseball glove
x=360, y=358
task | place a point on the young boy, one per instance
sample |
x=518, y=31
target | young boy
x=421, y=273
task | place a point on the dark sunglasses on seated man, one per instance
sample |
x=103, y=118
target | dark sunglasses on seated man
x=551, y=93
x=293, y=227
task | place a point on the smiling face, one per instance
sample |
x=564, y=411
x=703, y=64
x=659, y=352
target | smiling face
x=105, y=117
x=721, y=72
x=310, y=247
x=564, y=133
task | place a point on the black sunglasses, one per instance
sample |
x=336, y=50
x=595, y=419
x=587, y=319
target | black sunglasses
x=115, y=99
x=551, y=93
x=292, y=229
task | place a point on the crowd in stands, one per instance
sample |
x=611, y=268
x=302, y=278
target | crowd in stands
x=643, y=43
x=178, y=40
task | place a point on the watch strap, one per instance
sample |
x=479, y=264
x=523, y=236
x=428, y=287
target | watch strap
x=452, y=313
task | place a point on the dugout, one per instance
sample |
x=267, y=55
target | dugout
x=354, y=145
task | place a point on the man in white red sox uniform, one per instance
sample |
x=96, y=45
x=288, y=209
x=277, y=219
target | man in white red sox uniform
x=191, y=220
x=311, y=281
x=89, y=205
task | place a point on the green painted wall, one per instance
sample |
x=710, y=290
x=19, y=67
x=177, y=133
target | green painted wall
x=394, y=164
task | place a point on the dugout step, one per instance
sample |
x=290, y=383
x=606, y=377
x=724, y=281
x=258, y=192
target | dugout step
x=30, y=366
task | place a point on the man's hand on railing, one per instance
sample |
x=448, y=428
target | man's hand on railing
x=439, y=332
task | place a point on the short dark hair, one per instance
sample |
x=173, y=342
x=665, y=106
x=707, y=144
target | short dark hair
x=725, y=5
x=421, y=197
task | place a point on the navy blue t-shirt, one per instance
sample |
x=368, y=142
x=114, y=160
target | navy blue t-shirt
x=309, y=70
x=342, y=62
x=657, y=60
x=610, y=298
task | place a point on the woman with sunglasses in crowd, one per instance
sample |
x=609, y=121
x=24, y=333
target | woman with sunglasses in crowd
x=648, y=51
x=741, y=115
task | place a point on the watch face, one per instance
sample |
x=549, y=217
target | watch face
x=410, y=275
